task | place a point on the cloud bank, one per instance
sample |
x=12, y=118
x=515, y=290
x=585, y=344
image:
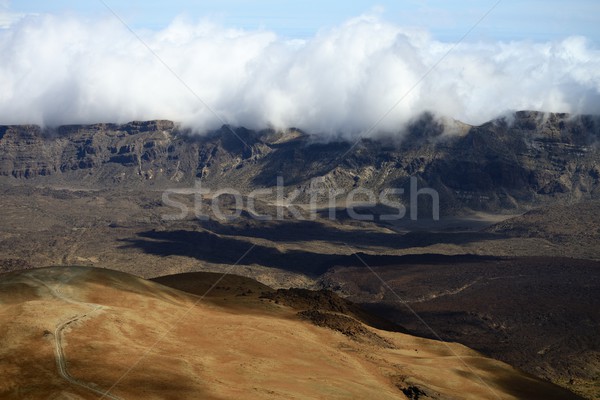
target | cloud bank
x=61, y=70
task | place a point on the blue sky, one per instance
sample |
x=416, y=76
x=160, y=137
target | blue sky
x=448, y=21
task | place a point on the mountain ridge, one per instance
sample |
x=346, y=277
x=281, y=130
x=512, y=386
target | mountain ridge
x=505, y=164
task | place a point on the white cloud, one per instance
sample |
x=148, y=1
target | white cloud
x=66, y=70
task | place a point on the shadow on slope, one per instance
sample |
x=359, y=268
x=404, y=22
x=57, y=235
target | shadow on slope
x=423, y=233
x=209, y=247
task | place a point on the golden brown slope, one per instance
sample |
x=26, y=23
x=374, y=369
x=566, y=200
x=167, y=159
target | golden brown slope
x=143, y=340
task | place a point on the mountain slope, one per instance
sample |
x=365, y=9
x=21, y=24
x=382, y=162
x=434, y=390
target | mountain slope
x=573, y=226
x=75, y=332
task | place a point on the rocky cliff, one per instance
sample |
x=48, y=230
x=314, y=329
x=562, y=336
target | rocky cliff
x=507, y=163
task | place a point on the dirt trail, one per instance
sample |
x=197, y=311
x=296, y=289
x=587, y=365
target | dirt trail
x=59, y=353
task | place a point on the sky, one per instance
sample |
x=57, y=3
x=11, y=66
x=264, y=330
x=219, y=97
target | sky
x=329, y=67
x=447, y=20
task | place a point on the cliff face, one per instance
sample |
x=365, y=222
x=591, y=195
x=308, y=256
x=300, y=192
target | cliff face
x=103, y=154
x=502, y=164
x=532, y=159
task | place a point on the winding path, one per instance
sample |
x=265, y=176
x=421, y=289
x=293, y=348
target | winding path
x=449, y=292
x=58, y=347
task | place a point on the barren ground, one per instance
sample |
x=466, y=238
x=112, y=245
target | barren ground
x=132, y=338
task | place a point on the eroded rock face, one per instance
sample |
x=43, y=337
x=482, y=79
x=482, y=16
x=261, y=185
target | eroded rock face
x=529, y=159
x=536, y=156
x=104, y=154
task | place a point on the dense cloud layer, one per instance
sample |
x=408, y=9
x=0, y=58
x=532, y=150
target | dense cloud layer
x=58, y=70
